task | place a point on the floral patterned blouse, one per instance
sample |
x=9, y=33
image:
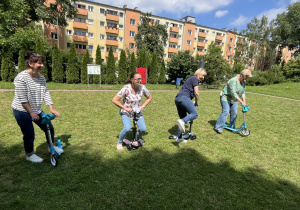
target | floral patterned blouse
x=132, y=100
x=233, y=90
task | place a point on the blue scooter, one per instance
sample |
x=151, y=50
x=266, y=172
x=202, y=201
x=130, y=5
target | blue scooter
x=243, y=128
x=187, y=135
x=46, y=119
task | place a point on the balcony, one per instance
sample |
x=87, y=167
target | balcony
x=80, y=25
x=173, y=40
x=82, y=11
x=112, y=17
x=80, y=51
x=174, y=29
x=78, y=38
x=173, y=50
x=202, y=34
x=112, y=42
x=219, y=37
x=201, y=53
x=111, y=30
x=201, y=44
x=115, y=54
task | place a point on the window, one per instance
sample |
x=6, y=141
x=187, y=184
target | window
x=131, y=45
x=102, y=36
x=69, y=32
x=102, y=49
x=189, y=32
x=54, y=23
x=165, y=55
x=196, y=29
x=91, y=22
x=165, y=46
x=111, y=12
x=178, y=47
x=173, y=35
x=101, y=23
x=219, y=34
x=170, y=56
x=205, y=50
x=81, y=6
x=194, y=49
x=195, y=39
x=206, y=41
x=213, y=33
x=132, y=22
x=112, y=25
x=68, y=45
x=80, y=46
x=201, y=30
x=229, y=49
x=121, y=14
x=120, y=50
x=189, y=42
x=111, y=37
x=120, y=39
x=102, y=11
x=91, y=35
x=231, y=40
x=228, y=57
x=69, y=19
x=157, y=22
x=200, y=40
x=81, y=20
x=91, y=9
x=167, y=24
x=207, y=31
x=172, y=46
x=132, y=33
x=179, y=36
x=91, y=47
x=80, y=33
x=54, y=36
x=180, y=26
x=200, y=49
x=120, y=26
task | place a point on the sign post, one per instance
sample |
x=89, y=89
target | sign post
x=94, y=69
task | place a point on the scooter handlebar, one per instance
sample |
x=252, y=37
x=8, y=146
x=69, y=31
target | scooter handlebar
x=245, y=108
x=46, y=118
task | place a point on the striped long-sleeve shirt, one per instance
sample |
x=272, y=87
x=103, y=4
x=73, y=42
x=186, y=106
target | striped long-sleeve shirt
x=31, y=90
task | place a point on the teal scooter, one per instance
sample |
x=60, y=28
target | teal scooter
x=46, y=119
x=243, y=128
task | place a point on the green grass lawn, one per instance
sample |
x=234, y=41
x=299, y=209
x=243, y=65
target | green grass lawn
x=214, y=171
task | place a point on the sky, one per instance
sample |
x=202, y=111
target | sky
x=218, y=14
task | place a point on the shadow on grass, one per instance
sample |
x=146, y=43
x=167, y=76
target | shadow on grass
x=212, y=123
x=143, y=179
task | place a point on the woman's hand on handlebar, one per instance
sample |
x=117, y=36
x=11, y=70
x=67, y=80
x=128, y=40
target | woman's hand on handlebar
x=34, y=116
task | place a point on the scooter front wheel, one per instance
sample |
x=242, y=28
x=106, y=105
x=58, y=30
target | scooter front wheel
x=245, y=132
x=54, y=160
x=193, y=137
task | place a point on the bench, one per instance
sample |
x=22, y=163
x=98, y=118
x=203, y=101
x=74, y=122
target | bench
x=213, y=86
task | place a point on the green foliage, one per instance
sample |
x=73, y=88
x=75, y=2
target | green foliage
x=110, y=76
x=153, y=70
x=273, y=76
x=162, y=73
x=122, y=76
x=182, y=65
x=85, y=61
x=132, y=65
x=215, y=65
x=291, y=70
x=21, y=61
x=8, y=70
x=57, y=65
x=237, y=67
x=151, y=36
x=142, y=59
x=98, y=61
x=72, y=73
x=39, y=49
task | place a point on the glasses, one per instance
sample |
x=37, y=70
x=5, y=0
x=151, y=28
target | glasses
x=36, y=55
x=138, y=79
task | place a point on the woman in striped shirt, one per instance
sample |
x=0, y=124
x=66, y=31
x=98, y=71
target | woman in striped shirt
x=30, y=92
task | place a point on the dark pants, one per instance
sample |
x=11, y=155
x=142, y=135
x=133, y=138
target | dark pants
x=25, y=122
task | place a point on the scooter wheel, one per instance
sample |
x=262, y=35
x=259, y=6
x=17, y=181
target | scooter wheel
x=129, y=147
x=171, y=137
x=54, y=160
x=245, y=132
x=193, y=137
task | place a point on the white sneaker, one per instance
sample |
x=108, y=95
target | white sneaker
x=181, y=140
x=34, y=158
x=58, y=150
x=181, y=125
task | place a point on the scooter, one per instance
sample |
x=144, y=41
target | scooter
x=187, y=135
x=46, y=119
x=136, y=143
x=243, y=128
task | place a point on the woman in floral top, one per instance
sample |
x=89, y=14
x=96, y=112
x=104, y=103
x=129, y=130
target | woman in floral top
x=233, y=92
x=132, y=94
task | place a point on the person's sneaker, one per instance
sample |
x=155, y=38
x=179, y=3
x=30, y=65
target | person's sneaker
x=181, y=140
x=58, y=150
x=34, y=158
x=181, y=125
x=219, y=131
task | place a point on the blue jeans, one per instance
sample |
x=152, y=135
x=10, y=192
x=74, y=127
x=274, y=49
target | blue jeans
x=127, y=126
x=25, y=122
x=226, y=108
x=185, y=105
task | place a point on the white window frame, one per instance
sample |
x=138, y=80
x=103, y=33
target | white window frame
x=190, y=32
x=91, y=46
x=53, y=36
x=132, y=22
x=189, y=42
x=103, y=23
x=132, y=34
x=91, y=22
x=91, y=35
x=102, y=36
x=121, y=26
x=90, y=8
x=69, y=32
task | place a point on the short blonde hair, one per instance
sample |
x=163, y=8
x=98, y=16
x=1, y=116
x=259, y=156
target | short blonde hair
x=246, y=72
x=200, y=71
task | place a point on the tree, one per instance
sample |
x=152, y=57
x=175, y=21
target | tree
x=142, y=60
x=110, y=76
x=291, y=70
x=39, y=49
x=57, y=65
x=8, y=70
x=153, y=70
x=85, y=61
x=162, y=73
x=152, y=35
x=287, y=28
x=72, y=73
x=21, y=61
x=182, y=65
x=98, y=61
x=122, y=76
x=132, y=66
x=237, y=67
x=215, y=65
